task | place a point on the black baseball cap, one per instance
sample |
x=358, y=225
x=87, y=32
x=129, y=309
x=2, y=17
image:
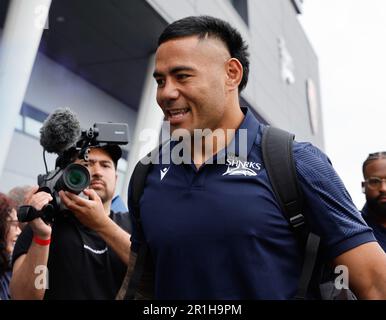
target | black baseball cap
x=114, y=151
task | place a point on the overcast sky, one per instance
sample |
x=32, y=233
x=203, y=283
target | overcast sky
x=349, y=37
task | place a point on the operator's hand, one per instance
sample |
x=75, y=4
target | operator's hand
x=90, y=212
x=38, y=201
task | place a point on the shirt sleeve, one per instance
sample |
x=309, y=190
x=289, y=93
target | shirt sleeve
x=23, y=243
x=328, y=206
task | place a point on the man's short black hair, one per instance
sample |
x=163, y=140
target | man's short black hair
x=206, y=26
x=371, y=157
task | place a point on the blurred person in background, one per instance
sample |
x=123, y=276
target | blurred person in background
x=374, y=187
x=17, y=194
x=9, y=232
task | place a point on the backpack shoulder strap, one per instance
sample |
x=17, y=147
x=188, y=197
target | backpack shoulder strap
x=142, y=276
x=279, y=163
x=138, y=177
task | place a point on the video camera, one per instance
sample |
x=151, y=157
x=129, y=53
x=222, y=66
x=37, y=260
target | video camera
x=70, y=176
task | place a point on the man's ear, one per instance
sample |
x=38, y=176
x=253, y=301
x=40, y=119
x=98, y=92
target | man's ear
x=234, y=72
x=363, y=187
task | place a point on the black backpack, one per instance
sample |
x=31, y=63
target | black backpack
x=278, y=159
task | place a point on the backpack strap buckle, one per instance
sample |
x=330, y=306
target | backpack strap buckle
x=297, y=221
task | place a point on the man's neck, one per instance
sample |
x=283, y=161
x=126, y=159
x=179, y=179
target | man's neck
x=107, y=207
x=212, y=143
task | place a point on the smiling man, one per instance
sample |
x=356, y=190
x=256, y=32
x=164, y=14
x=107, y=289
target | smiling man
x=214, y=231
x=374, y=187
x=80, y=262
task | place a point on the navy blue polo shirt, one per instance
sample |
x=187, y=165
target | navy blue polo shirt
x=218, y=232
x=378, y=229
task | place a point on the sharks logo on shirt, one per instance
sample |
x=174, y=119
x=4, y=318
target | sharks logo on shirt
x=237, y=167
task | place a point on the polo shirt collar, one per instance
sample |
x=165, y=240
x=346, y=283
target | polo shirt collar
x=244, y=138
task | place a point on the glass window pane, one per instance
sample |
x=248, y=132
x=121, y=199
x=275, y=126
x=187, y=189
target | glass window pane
x=19, y=123
x=32, y=127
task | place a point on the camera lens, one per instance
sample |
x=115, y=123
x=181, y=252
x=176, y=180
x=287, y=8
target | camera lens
x=75, y=178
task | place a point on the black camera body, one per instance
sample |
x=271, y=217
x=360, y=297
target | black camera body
x=70, y=176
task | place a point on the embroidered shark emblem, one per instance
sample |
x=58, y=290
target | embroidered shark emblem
x=239, y=171
x=237, y=167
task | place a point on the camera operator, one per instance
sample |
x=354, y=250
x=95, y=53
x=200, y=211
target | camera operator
x=84, y=253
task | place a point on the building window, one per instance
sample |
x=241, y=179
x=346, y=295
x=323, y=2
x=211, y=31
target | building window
x=241, y=7
x=20, y=123
x=30, y=120
x=32, y=127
